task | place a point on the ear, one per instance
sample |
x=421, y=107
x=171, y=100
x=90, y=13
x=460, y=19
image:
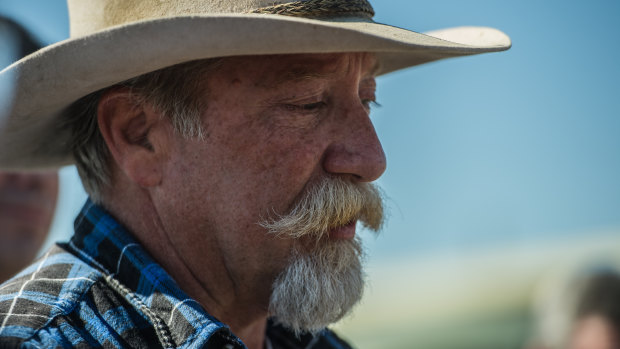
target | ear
x=127, y=125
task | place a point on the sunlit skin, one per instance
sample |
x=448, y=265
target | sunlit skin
x=27, y=203
x=275, y=125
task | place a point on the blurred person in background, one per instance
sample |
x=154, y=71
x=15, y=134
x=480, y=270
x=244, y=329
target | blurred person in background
x=580, y=311
x=27, y=200
x=597, y=320
x=15, y=41
x=27, y=203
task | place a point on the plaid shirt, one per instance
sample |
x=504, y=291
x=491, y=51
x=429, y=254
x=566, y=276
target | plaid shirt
x=102, y=289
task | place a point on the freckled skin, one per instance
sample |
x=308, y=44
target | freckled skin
x=275, y=125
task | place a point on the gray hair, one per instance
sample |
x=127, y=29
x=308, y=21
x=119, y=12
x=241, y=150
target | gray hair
x=177, y=92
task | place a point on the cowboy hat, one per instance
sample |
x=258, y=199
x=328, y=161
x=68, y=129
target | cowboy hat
x=114, y=40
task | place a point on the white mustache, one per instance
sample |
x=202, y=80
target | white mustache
x=330, y=204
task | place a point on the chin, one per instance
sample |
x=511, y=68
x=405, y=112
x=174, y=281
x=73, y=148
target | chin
x=318, y=288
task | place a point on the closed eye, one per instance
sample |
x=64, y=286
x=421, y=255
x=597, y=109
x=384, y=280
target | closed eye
x=310, y=107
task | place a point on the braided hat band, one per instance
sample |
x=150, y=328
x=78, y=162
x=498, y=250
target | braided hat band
x=321, y=9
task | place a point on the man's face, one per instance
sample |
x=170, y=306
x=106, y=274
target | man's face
x=276, y=127
x=27, y=202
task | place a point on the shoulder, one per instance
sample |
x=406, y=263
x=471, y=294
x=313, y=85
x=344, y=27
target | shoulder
x=50, y=288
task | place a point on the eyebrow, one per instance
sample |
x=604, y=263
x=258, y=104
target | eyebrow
x=307, y=72
x=300, y=73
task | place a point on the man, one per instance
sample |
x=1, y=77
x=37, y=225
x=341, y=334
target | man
x=27, y=200
x=228, y=152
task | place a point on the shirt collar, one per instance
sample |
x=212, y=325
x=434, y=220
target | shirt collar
x=103, y=243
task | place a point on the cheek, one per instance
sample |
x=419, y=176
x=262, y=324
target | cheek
x=248, y=165
x=260, y=149
x=273, y=172
x=288, y=159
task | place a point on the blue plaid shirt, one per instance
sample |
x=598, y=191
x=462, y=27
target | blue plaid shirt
x=102, y=289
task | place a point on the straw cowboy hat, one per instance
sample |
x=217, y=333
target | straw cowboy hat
x=114, y=40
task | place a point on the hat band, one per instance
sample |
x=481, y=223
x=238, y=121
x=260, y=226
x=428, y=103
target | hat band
x=321, y=9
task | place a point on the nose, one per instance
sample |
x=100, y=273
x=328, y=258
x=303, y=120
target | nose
x=356, y=150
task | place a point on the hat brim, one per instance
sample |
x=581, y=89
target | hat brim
x=48, y=81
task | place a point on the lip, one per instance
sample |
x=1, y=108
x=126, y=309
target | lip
x=345, y=232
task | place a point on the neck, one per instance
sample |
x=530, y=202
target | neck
x=197, y=265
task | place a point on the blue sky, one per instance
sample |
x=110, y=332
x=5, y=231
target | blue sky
x=486, y=150
x=505, y=147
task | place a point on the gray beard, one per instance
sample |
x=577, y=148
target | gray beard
x=319, y=287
